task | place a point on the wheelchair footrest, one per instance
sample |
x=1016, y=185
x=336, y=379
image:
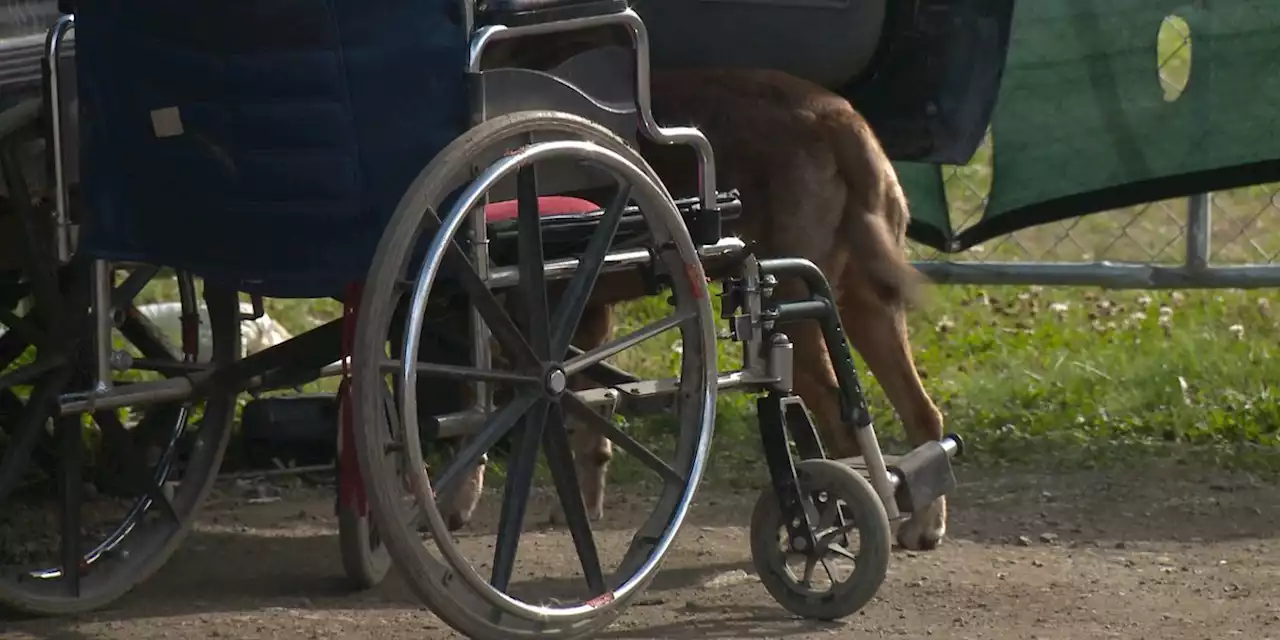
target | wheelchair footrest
x=925, y=474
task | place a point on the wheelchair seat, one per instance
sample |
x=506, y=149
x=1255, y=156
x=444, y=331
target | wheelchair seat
x=506, y=210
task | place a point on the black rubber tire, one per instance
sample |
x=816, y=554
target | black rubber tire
x=875, y=542
x=364, y=557
x=202, y=470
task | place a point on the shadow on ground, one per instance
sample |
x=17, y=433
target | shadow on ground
x=251, y=559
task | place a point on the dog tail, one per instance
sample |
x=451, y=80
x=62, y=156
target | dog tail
x=876, y=213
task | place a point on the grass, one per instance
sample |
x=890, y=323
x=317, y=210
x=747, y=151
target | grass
x=1067, y=377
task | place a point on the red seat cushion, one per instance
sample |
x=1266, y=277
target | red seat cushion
x=547, y=206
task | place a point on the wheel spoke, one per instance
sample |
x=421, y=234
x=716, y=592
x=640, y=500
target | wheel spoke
x=133, y=463
x=533, y=283
x=516, y=497
x=25, y=374
x=19, y=327
x=576, y=364
x=838, y=532
x=40, y=265
x=71, y=452
x=495, y=317
x=497, y=425
x=11, y=346
x=564, y=473
x=123, y=295
x=27, y=431
x=590, y=264
x=598, y=423
x=146, y=336
x=504, y=330
x=827, y=569
x=810, y=564
x=842, y=552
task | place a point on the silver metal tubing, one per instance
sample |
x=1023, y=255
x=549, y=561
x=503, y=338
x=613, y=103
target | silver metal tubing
x=881, y=480
x=392, y=365
x=739, y=380
x=61, y=216
x=640, y=39
x=468, y=9
x=464, y=423
x=751, y=341
x=102, y=324
x=952, y=445
x=181, y=388
x=617, y=261
x=481, y=346
x=672, y=135
x=142, y=393
x=578, y=363
x=723, y=248
x=1199, y=229
x=1111, y=275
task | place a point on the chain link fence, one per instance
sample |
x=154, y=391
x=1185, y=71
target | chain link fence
x=1225, y=239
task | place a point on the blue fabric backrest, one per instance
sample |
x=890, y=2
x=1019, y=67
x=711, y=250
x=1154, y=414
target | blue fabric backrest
x=260, y=143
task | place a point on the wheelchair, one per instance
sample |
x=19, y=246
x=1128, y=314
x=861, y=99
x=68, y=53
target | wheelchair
x=467, y=217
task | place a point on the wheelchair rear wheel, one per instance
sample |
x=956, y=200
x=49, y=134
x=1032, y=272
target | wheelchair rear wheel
x=545, y=385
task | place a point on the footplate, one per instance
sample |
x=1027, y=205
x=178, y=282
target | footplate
x=921, y=476
x=924, y=474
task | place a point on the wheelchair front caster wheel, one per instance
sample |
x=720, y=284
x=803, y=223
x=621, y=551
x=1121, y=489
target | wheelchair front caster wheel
x=841, y=570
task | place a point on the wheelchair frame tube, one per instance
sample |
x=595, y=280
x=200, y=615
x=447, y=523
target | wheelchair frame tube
x=61, y=217
x=640, y=40
x=102, y=324
x=481, y=353
x=254, y=368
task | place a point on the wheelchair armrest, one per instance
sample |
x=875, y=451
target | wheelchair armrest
x=526, y=12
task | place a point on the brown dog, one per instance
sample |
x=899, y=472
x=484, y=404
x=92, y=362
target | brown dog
x=814, y=183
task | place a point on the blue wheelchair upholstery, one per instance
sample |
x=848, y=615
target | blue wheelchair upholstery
x=261, y=144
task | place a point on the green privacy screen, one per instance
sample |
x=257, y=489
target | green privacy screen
x=1083, y=125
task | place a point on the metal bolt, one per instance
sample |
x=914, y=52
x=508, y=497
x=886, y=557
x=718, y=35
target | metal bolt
x=556, y=381
x=120, y=360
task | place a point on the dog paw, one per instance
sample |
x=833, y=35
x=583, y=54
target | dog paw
x=456, y=521
x=924, y=531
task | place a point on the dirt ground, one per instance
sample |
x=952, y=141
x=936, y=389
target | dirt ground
x=1154, y=554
